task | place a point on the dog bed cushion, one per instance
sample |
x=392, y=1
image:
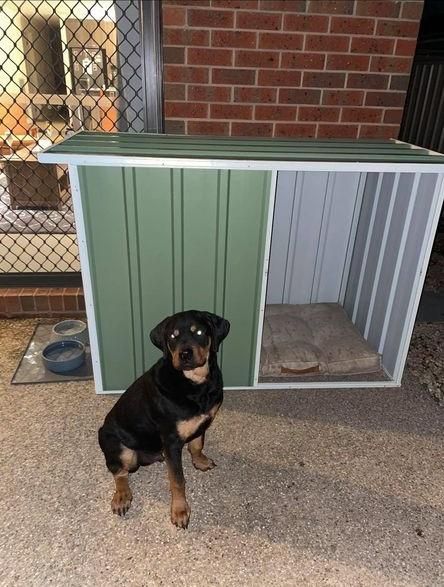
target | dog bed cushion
x=313, y=338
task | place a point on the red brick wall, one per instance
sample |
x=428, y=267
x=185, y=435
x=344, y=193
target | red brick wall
x=27, y=302
x=315, y=68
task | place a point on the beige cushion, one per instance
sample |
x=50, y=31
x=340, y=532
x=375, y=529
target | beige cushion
x=313, y=338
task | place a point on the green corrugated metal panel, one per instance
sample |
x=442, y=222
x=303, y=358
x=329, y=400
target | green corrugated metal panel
x=185, y=147
x=166, y=240
x=106, y=226
x=245, y=244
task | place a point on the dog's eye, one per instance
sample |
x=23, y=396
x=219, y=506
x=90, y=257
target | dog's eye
x=199, y=332
x=172, y=336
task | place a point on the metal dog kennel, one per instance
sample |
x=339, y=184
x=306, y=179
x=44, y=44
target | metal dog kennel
x=329, y=240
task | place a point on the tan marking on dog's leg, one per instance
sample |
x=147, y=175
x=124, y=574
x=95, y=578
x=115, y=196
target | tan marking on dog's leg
x=128, y=458
x=186, y=428
x=199, y=460
x=180, y=510
x=123, y=496
x=214, y=411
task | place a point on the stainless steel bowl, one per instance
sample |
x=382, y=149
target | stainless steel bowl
x=69, y=330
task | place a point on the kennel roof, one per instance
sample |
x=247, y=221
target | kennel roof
x=157, y=150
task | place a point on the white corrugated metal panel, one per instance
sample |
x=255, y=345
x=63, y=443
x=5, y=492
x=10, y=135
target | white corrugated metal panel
x=335, y=236
x=361, y=244
x=381, y=202
x=395, y=224
x=393, y=233
x=313, y=230
x=407, y=289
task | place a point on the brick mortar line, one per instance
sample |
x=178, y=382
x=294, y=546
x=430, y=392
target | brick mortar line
x=296, y=51
x=289, y=32
x=297, y=32
x=277, y=103
x=339, y=122
x=261, y=86
x=206, y=47
x=215, y=28
x=352, y=16
x=256, y=68
x=323, y=71
x=223, y=8
x=283, y=31
x=298, y=12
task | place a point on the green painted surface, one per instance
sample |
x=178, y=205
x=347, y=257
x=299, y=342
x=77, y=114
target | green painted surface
x=155, y=243
x=168, y=146
x=246, y=211
x=106, y=226
x=161, y=241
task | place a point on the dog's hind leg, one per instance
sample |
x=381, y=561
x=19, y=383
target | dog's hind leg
x=120, y=461
x=123, y=496
x=200, y=461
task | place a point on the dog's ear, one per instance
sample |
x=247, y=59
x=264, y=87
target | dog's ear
x=158, y=337
x=219, y=328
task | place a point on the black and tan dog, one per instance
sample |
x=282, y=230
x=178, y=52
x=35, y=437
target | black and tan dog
x=170, y=405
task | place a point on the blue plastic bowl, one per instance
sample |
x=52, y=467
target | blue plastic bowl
x=63, y=355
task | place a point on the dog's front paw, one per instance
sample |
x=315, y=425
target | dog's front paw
x=203, y=463
x=121, y=502
x=180, y=514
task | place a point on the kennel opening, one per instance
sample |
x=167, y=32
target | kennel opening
x=345, y=249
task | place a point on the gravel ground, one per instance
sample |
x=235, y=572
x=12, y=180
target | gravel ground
x=426, y=358
x=435, y=274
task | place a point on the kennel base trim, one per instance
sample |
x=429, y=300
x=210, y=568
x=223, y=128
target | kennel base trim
x=167, y=223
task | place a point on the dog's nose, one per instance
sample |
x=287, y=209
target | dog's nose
x=186, y=354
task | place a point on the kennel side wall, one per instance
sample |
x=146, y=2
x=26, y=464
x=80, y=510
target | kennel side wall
x=390, y=254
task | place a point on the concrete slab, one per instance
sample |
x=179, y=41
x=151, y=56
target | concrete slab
x=314, y=487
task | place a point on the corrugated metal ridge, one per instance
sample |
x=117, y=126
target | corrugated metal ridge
x=190, y=147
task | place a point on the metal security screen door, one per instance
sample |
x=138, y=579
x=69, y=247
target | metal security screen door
x=64, y=66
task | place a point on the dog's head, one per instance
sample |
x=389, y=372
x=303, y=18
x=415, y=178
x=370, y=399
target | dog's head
x=189, y=337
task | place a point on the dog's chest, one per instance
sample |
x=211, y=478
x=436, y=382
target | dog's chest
x=188, y=428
